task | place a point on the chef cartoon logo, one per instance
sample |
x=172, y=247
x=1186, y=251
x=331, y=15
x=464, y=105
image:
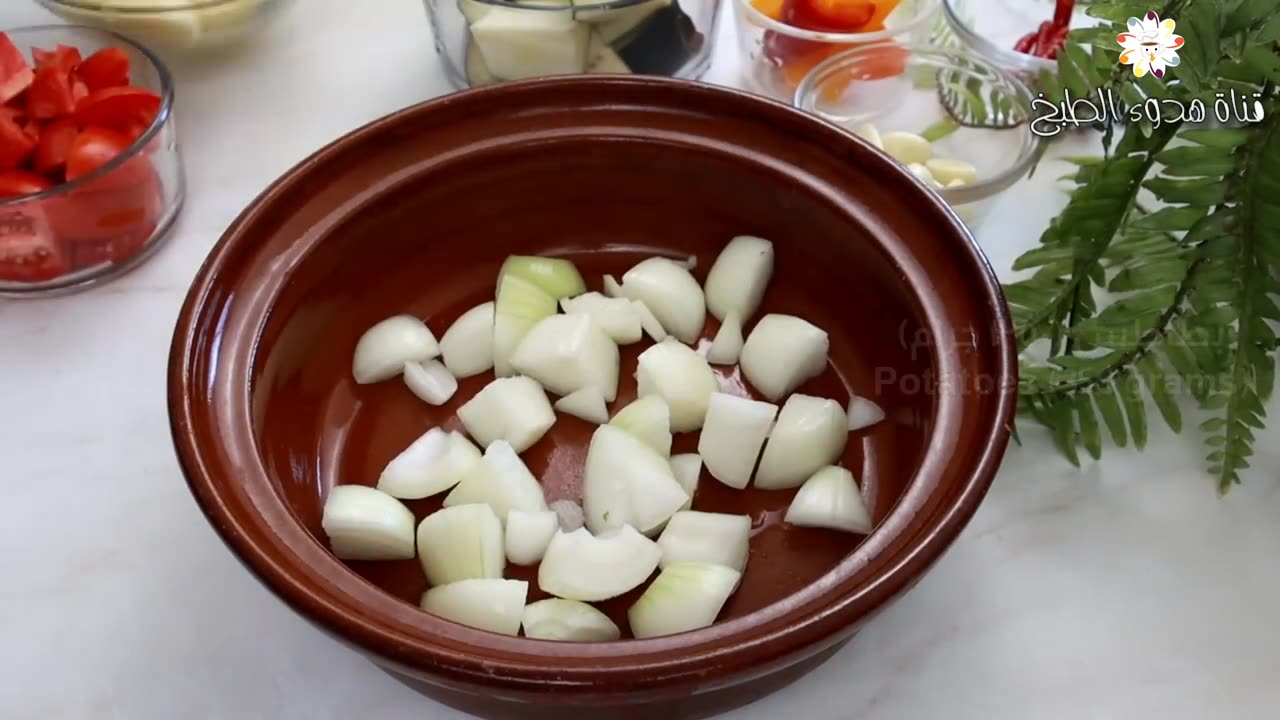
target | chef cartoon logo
x=1150, y=46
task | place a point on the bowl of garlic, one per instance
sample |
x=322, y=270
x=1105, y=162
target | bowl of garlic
x=960, y=124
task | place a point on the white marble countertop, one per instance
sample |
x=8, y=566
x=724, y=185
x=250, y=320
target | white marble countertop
x=1127, y=590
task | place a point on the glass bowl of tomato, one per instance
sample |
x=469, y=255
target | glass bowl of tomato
x=959, y=122
x=482, y=42
x=90, y=172
x=781, y=41
x=172, y=24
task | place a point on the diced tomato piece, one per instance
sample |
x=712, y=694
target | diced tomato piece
x=50, y=95
x=769, y=8
x=79, y=89
x=54, y=146
x=840, y=16
x=93, y=148
x=124, y=109
x=884, y=8
x=63, y=57
x=16, y=183
x=29, y=250
x=15, y=144
x=15, y=73
x=109, y=67
x=881, y=61
x=110, y=217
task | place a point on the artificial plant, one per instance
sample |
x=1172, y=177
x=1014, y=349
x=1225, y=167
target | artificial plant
x=1160, y=275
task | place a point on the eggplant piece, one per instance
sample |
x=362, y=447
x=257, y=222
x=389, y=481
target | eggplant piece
x=663, y=44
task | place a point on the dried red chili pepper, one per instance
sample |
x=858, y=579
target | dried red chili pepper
x=1050, y=36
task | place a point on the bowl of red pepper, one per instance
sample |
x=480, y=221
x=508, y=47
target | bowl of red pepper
x=90, y=173
x=783, y=40
x=1023, y=36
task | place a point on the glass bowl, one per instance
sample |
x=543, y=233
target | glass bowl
x=172, y=24
x=993, y=27
x=968, y=108
x=482, y=42
x=775, y=56
x=106, y=222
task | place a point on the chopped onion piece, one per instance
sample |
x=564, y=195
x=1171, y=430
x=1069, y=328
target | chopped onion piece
x=512, y=409
x=581, y=566
x=863, y=413
x=649, y=322
x=495, y=605
x=739, y=277
x=505, y=484
x=691, y=263
x=528, y=534
x=467, y=346
x=367, y=524
x=706, y=537
x=430, y=381
x=585, y=404
x=434, y=463
x=384, y=348
x=567, y=353
x=687, y=468
x=682, y=377
x=684, y=597
x=612, y=288
x=625, y=482
x=520, y=306
x=568, y=621
x=727, y=347
x=671, y=293
x=570, y=514
x=830, y=499
x=460, y=543
x=556, y=277
x=649, y=419
x=783, y=352
x=616, y=316
x=733, y=435
x=811, y=432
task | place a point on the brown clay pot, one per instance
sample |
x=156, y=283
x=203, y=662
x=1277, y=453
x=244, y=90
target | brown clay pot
x=415, y=213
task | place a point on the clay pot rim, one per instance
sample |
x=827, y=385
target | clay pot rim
x=215, y=441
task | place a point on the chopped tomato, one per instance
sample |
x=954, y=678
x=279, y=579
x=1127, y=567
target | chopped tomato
x=840, y=16
x=15, y=144
x=109, y=218
x=884, y=8
x=79, y=90
x=92, y=149
x=797, y=58
x=29, y=252
x=50, y=95
x=15, y=73
x=769, y=8
x=125, y=109
x=16, y=183
x=109, y=67
x=54, y=146
x=63, y=57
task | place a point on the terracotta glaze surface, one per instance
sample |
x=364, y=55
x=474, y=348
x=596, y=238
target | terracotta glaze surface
x=416, y=212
